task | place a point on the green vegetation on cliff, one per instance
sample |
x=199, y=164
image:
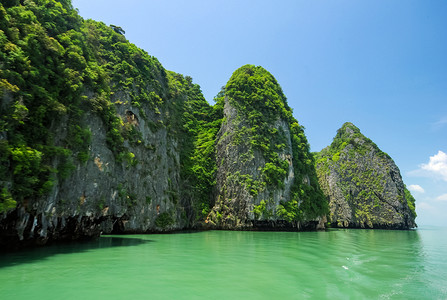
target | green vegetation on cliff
x=58, y=70
x=349, y=134
x=262, y=106
x=96, y=136
x=42, y=64
x=196, y=124
x=411, y=203
x=55, y=69
x=368, y=188
x=260, y=101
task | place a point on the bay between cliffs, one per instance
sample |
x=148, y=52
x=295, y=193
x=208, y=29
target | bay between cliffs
x=336, y=264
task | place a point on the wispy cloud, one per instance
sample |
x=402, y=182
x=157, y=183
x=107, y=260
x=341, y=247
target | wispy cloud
x=439, y=124
x=416, y=188
x=443, y=197
x=436, y=166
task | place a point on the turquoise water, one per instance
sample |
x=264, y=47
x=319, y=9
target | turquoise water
x=337, y=264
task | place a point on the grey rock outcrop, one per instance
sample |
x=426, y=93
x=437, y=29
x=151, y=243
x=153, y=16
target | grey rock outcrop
x=95, y=135
x=240, y=184
x=363, y=184
x=259, y=184
x=106, y=194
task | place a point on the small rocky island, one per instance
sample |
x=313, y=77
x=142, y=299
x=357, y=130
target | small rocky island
x=265, y=173
x=97, y=137
x=363, y=184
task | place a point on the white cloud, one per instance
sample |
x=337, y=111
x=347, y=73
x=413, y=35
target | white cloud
x=443, y=197
x=416, y=188
x=437, y=165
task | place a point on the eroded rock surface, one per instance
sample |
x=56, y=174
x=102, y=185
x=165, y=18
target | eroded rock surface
x=264, y=172
x=363, y=184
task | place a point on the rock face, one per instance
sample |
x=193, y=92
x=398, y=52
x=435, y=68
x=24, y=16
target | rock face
x=363, y=184
x=262, y=176
x=138, y=193
x=95, y=135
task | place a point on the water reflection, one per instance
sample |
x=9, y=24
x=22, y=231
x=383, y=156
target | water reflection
x=41, y=253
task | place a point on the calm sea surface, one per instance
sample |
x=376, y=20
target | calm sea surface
x=337, y=264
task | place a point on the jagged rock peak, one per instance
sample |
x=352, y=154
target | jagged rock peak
x=348, y=129
x=264, y=167
x=363, y=184
x=253, y=91
x=349, y=133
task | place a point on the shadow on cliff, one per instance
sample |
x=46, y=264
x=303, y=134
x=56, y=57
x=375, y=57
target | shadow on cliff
x=32, y=255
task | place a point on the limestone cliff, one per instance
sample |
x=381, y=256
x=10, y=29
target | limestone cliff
x=95, y=135
x=140, y=189
x=363, y=184
x=264, y=173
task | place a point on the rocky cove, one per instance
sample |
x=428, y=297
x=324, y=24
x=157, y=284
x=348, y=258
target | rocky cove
x=97, y=137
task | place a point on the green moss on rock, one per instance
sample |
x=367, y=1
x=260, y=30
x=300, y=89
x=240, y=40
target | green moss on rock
x=363, y=184
x=263, y=145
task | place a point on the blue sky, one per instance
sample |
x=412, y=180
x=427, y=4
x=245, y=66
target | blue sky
x=377, y=63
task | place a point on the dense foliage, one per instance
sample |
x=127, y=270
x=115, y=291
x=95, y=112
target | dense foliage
x=197, y=124
x=261, y=103
x=55, y=69
x=41, y=59
x=349, y=134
